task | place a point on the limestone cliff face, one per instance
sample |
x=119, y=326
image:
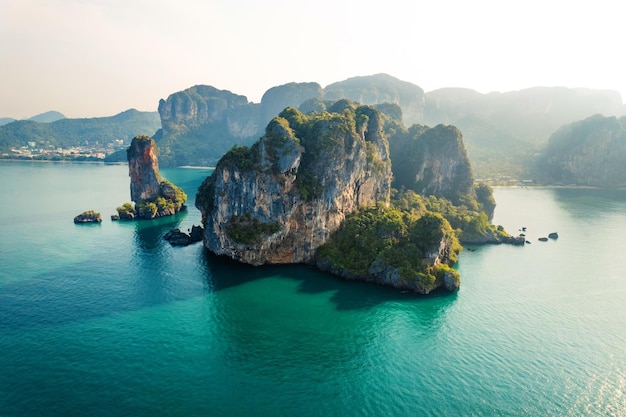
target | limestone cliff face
x=154, y=196
x=378, y=89
x=432, y=161
x=591, y=152
x=288, y=95
x=201, y=123
x=143, y=169
x=278, y=201
x=196, y=106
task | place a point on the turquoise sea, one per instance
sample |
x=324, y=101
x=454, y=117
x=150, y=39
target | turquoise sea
x=110, y=320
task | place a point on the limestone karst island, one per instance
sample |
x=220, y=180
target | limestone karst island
x=308, y=176
x=316, y=189
x=153, y=195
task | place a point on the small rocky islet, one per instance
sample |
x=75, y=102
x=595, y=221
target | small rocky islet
x=89, y=216
x=153, y=196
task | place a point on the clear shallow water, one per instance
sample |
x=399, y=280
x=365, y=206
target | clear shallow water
x=110, y=320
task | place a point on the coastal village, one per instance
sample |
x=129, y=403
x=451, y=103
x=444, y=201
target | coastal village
x=85, y=152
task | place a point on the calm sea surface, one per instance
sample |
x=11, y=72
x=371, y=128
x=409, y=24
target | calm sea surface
x=110, y=320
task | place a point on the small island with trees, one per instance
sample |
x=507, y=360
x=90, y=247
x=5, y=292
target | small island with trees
x=153, y=195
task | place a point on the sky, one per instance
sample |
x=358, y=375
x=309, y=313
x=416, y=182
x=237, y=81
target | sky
x=95, y=58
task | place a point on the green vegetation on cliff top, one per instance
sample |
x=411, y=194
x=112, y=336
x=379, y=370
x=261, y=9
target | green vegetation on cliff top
x=402, y=236
x=249, y=230
x=319, y=133
x=403, y=239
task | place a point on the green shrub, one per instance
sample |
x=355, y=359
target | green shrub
x=398, y=237
x=240, y=157
x=249, y=230
x=146, y=209
x=126, y=209
x=206, y=194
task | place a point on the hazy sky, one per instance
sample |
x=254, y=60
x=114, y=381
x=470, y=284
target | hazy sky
x=91, y=58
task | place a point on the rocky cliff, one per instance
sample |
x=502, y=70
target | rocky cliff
x=201, y=123
x=316, y=189
x=502, y=131
x=197, y=106
x=378, y=89
x=590, y=152
x=432, y=161
x=279, y=200
x=287, y=95
x=153, y=196
x=143, y=169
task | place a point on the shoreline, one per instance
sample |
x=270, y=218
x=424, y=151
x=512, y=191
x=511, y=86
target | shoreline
x=64, y=161
x=69, y=161
x=193, y=167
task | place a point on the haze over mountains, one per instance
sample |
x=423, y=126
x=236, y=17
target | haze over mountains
x=504, y=133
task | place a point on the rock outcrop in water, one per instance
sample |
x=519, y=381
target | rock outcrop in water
x=153, y=195
x=279, y=201
x=88, y=216
x=176, y=237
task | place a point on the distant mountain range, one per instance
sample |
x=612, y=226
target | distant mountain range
x=47, y=117
x=102, y=132
x=505, y=134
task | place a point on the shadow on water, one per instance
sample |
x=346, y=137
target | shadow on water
x=149, y=233
x=224, y=273
x=155, y=273
x=329, y=325
x=109, y=282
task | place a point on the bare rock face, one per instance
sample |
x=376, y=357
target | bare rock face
x=196, y=106
x=590, y=152
x=143, y=169
x=381, y=88
x=153, y=196
x=278, y=201
x=433, y=161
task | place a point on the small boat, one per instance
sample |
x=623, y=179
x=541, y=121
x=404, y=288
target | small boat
x=543, y=239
